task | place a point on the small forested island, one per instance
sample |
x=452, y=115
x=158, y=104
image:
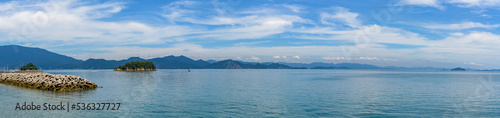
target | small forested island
x=458, y=69
x=137, y=66
x=28, y=67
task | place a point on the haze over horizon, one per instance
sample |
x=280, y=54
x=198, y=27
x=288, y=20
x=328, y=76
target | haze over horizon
x=408, y=33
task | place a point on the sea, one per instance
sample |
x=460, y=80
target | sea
x=267, y=93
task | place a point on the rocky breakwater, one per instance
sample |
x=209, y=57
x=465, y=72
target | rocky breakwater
x=46, y=81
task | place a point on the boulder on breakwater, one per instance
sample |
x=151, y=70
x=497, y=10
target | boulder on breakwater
x=46, y=81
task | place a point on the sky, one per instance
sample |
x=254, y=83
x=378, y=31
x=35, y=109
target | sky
x=409, y=33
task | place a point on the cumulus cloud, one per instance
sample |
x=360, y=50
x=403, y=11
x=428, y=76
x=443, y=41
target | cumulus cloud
x=75, y=23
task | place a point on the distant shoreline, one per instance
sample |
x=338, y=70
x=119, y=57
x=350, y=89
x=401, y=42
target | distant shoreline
x=21, y=71
x=134, y=70
x=270, y=69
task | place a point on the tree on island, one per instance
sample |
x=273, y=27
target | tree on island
x=28, y=67
x=137, y=66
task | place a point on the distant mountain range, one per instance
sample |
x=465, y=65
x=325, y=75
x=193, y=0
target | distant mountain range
x=14, y=56
x=318, y=65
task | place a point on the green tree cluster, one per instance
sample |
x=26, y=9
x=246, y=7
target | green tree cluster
x=137, y=65
x=29, y=66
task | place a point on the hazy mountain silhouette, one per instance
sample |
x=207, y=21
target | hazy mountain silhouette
x=15, y=56
x=106, y=64
x=318, y=65
x=180, y=62
x=231, y=64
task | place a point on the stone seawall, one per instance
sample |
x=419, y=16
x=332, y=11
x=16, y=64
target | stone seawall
x=46, y=81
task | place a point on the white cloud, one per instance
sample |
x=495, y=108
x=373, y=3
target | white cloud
x=176, y=10
x=334, y=58
x=461, y=26
x=456, y=34
x=241, y=25
x=340, y=16
x=426, y=3
x=472, y=47
x=255, y=58
x=365, y=35
x=474, y=40
x=476, y=3
x=7, y=6
x=368, y=58
x=459, y=3
x=475, y=45
x=97, y=11
x=250, y=43
x=294, y=8
x=485, y=15
x=390, y=60
x=182, y=3
x=268, y=27
x=296, y=57
x=73, y=23
x=343, y=58
x=473, y=63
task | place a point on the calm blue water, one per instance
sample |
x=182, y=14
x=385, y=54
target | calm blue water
x=272, y=93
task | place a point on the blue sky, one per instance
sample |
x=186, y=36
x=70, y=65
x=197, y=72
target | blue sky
x=435, y=33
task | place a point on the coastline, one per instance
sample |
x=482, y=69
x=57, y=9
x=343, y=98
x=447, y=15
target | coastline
x=45, y=81
x=142, y=69
x=21, y=72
